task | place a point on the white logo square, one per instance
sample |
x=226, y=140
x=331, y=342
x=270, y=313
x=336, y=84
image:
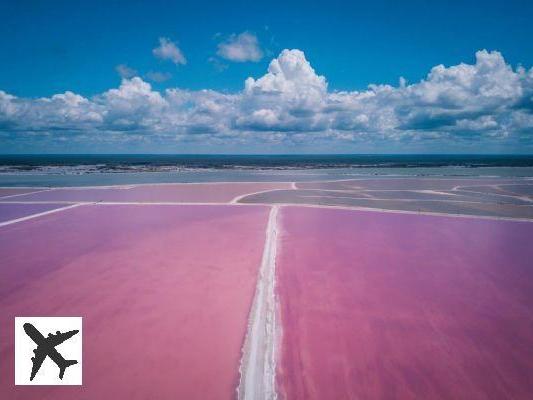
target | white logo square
x=48, y=350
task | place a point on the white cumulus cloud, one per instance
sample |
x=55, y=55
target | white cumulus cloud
x=240, y=48
x=168, y=50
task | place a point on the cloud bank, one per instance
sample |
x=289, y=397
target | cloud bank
x=487, y=102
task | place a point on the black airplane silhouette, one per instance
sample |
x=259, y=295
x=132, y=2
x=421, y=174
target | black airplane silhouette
x=47, y=347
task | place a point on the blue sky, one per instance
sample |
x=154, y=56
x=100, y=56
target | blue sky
x=50, y=48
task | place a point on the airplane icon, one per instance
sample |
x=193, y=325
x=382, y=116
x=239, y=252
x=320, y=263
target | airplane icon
x=47, y=347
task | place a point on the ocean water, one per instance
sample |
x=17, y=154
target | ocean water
x=91, y=170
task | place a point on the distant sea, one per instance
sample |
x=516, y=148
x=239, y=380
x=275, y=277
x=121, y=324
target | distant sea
x=88, y=170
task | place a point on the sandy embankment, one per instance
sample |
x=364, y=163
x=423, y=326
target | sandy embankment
x=258, y=364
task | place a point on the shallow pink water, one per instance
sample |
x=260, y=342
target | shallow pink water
x=13, y=191
x=165, y=293
x=392, y=306
x=11, y=211
x=208, y=192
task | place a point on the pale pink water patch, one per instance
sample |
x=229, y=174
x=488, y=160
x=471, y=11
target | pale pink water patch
x=164, y=291
x=10, y=211
x=379, y=306
x=194, y=193
x=15, y=191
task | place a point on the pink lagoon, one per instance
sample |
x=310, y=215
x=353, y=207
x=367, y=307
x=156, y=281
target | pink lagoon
x=276, y=288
